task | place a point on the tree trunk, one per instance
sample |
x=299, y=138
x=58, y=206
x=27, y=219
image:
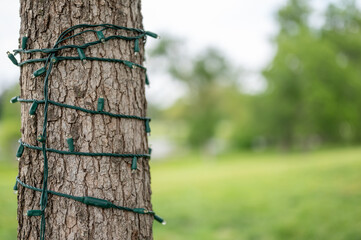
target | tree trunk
x=81, y=84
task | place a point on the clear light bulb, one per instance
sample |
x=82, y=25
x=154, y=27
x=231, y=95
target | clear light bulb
x=164, y=223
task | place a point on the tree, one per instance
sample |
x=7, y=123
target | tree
x=313, y=79
x=211, y=81
x=82, y=84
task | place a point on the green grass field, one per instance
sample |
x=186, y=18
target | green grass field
x=245, y=196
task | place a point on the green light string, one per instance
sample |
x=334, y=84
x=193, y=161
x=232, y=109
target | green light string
x=49, y=61
x=118, y=155
x=99, y=111
x=100, y=35
x=98, y=202
x=102, y=39
x=61, y=58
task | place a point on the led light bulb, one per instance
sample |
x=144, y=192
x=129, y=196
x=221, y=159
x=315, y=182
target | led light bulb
x=101, y=36
x=81, y=54
x=24, y=42
x=134, y=164
x=12, y=58
x=136, y=46
x=33, y=108
x=100, y=105
x=14, y=99
x=70, y=142
x=39, y=72
x=20, y=151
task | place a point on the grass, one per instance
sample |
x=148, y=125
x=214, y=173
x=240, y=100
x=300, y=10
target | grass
x=259, y=196
x=8, y=223
x=245, y=196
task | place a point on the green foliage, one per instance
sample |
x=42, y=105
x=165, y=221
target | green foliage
x=313, y=81
x=9, y=121
x=312, y=86
x=210, y=80
x=294, y=16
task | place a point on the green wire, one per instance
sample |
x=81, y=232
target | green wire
x=49, y=61
x=123, y=155
x=54, y=50
x=82, y=109
x=61, y=58
x=91, y=201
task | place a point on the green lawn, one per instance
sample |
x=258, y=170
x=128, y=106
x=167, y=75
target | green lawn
x=258, y=196
x=7, y=201
x=245, y=196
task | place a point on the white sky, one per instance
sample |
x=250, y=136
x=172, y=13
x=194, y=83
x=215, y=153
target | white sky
x=241, y=29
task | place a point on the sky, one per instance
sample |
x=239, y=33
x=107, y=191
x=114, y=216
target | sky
x=242, y=30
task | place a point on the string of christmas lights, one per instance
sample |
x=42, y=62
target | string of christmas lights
x=49, y=63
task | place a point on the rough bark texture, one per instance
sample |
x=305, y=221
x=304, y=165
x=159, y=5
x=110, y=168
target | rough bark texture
x=81, y=84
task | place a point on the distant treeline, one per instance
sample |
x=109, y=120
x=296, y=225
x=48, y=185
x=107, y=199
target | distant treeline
x=313, y=86
x=312, y=96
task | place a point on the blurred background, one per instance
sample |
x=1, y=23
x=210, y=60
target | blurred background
x=256, y=129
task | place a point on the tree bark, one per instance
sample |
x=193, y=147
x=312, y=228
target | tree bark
x=81, y=84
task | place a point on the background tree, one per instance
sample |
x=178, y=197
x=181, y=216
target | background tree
x=211, y=83
x=312, y=80
x=312, y=84
x=81, y=84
